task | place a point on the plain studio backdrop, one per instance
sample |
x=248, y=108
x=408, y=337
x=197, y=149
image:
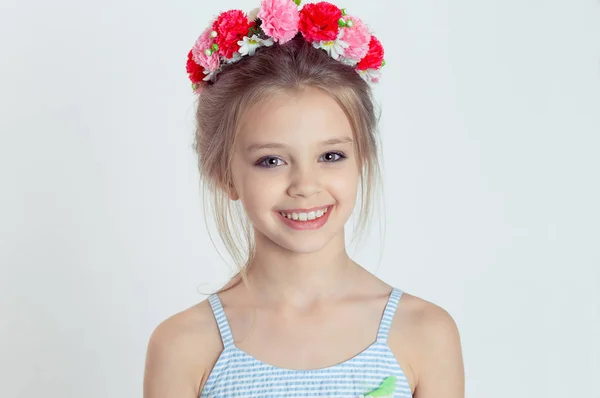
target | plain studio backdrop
x=490, y=130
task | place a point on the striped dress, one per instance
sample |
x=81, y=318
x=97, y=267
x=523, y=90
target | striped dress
x=374, y=372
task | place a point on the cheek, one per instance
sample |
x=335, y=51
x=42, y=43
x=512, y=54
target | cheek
x=344, y=184
x=257, y=189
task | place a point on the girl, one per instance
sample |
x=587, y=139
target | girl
x=286, y=132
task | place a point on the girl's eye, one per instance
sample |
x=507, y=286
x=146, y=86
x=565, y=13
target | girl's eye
x=269, y=161
x=333, y=157
x=272, y=161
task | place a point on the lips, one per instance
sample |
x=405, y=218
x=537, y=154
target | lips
x=305, y=215
x=306, y=219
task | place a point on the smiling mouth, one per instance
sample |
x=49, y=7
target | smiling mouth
x=309, y=219
x=306, y=215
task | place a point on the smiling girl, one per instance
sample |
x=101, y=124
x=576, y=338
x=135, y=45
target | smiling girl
x=286, y=132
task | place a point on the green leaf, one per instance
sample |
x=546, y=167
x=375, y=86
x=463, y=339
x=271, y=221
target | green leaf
x=298, y=2
x=386, y=388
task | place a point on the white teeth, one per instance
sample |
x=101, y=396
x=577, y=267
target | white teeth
x=311, y=215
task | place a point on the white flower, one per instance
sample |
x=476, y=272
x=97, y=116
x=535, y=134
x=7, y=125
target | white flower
x=210, y=75
x=370, y=75
x=348, y=61
x=335, y=48
x=249, y=45
x=252, y=15
x=235, y=58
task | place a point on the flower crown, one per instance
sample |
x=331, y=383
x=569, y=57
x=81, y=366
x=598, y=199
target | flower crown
x=233, y=35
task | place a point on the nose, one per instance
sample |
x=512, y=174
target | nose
x=304, y=181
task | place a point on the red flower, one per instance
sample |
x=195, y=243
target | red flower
x=231, y=26
x=374, y=57
x=195, y=71
x=319, y=21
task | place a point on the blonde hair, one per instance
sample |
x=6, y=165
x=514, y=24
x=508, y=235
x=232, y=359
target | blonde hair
x=221, y=108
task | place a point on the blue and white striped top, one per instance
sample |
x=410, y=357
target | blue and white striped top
x=372, y=372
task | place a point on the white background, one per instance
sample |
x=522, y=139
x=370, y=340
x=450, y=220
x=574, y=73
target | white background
x=491, y=119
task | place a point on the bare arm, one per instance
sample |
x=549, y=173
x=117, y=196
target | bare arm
x=440, y=369
x=167, y=372
x=181, y=352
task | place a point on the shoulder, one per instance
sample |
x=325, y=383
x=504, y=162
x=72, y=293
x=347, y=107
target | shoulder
x=426, y=338
x=424, y=318
x=181, y=352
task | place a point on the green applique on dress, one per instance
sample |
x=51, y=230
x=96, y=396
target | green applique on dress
x=386, y=389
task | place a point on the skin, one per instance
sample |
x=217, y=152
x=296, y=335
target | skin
x=305, y=292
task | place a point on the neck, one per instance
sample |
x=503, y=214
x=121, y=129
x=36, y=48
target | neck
x=282, y=277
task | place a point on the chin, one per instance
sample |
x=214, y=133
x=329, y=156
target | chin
x=304, y=246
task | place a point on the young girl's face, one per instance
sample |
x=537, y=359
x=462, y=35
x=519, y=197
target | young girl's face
x=295, y=155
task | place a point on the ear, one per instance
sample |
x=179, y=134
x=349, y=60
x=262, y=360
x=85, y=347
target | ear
x=232, y=193
x=230, y=190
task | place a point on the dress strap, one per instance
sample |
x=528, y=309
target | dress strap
x=221, y=318
x=388, y=315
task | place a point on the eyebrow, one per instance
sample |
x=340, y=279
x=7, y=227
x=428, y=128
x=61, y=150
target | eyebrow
x=275, y=145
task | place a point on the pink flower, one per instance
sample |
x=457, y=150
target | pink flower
x=358, y=37
x=279, y=19
x=200, y=56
